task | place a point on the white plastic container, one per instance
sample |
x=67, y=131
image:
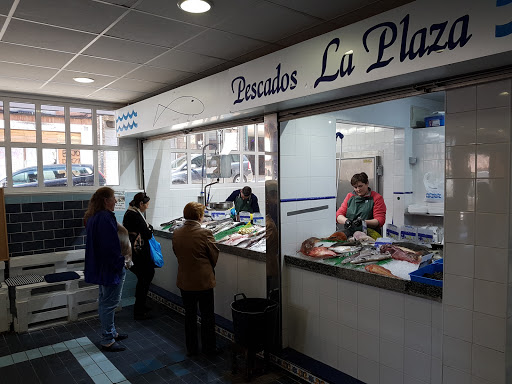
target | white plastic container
x=220, y=215
x=245, y=217
x=258, y=219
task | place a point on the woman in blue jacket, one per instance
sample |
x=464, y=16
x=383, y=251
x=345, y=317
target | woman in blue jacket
x=104, y=263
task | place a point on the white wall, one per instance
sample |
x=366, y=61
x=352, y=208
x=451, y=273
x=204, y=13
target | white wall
x=375, y=335
x=128, y=164
x=307, y=169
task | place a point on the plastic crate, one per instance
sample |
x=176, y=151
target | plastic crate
x=418, y=274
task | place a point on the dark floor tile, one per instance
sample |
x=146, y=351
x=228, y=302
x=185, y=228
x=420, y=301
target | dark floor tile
x=154, y=378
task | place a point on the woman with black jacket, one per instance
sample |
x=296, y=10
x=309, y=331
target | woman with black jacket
x=143, y=267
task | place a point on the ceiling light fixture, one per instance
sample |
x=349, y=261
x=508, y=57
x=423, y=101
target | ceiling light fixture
x=83, y=79
x=195, y=6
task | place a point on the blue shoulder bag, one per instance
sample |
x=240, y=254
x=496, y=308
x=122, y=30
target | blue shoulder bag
x=156, y=252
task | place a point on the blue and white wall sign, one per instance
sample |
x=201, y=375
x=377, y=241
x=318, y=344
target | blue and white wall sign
x=420, y=35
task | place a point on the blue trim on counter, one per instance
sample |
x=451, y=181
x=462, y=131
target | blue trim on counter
x=307, y=199
x=402, y=193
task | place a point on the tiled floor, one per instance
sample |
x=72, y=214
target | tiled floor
x=155, y=354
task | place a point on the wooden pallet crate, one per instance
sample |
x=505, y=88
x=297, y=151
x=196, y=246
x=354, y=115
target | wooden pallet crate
x=46, y=263
x=5, y=312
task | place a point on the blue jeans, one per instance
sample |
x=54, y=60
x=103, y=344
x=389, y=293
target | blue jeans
x=108, y=300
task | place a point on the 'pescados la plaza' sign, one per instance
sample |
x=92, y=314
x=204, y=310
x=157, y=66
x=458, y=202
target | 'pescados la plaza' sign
x=414, y=37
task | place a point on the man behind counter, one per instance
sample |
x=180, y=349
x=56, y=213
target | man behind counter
x=244, y=200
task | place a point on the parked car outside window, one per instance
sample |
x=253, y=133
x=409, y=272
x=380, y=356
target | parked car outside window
x=55, y=176
x=179, y=169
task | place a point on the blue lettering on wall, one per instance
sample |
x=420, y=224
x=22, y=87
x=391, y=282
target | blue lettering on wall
x=345, y=68
x=415, y=45
x=262, y=88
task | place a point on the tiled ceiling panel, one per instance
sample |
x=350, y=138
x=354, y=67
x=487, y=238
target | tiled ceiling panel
x=135, y=49
x=222, y=45
x=153, y=30
x=158, y=75
x=136, y=85
x=325, y=9
x=26, y=71
x=186, y=61
x=94, y=65
x=66, y=77
x=25, y=55
x=279, y=22
x=43, y=36
x=81, y=15
x=123, y=50
x=221, y=10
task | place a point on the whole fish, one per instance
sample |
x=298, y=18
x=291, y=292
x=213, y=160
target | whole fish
x=399, y=254
x=369, y=257
x=374, y=268
x=337, y=236
x=344, y=249
x=308, y=244
x=321, y=252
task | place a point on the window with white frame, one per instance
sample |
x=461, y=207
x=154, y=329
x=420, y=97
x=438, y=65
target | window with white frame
x=232, y=155
x=57, y=145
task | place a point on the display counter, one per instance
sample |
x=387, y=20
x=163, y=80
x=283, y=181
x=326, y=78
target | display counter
x=403, y=286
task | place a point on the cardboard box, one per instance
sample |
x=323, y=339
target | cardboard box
x=392, y=231
x=409, y=233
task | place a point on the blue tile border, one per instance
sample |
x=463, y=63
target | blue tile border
x=170, y=300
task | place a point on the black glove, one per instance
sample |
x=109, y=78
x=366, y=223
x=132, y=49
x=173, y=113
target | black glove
x=348, y=224
x=357, y=222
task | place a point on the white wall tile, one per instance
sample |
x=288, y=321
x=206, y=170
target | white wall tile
x=459, y=259
x=368, y=345
x=347, y=362
x=491, y=95
x=493, y=125
x=329, y=308
x=458, y=291
x=368, y=320
x=392, y=354
x=461, y=99
x=327, y=285
x=488, y=364
x=390, y=375
x=436, y=371
x=491, y=196
x=418, y=310
x=458, y=323
x=437, y=315
x=392, y=303
x=367, y=370
x=347, y=291
x=455, y=376
x=457, y=353
x=368, y=296
x=459, y=227
x=392, y=328
x=418, y=337
x=417, y=364
x=460, y=128
x=347, y=338
x=490, y=298
x=347, y=314
x=311, y=302
x=460, y=195
x=460, y=162
x=489, y=331
x=492, y=161
x=491, y=264
x=486, y=232
x=437, y=343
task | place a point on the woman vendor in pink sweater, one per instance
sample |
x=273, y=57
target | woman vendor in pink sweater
x=362, y=204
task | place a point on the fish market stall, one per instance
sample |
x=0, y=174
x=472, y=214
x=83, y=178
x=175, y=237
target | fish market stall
x=381, y=263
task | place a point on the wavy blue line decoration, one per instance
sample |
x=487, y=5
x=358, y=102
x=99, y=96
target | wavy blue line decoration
x=125, y=127
x=126, y=116
x=503, y=30
x=501, y=3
